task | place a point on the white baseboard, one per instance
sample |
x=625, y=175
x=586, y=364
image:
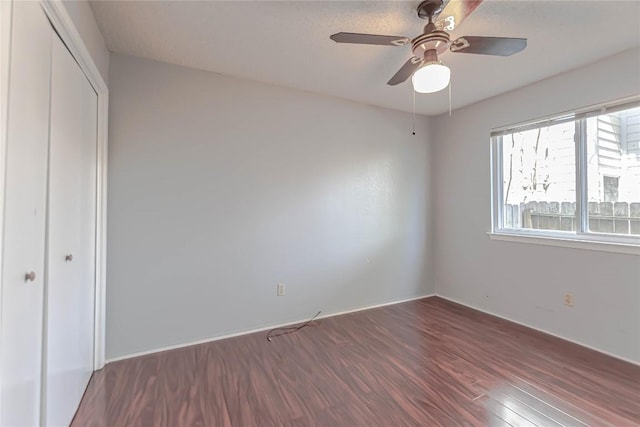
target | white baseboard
x=634, y=362
x=266, y=328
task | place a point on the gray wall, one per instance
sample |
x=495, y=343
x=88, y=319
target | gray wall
x=82, y=16
x=520, y=281
x=220, y=188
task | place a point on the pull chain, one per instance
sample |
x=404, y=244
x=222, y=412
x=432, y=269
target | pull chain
x=414, y=111
x=449, y=98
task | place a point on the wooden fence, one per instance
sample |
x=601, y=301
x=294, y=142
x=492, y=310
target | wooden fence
x=604, y=217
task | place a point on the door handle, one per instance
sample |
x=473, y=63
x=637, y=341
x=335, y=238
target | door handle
x=30, y=277
x=68, y=258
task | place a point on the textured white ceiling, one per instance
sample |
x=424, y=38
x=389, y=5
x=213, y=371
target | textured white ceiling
x=287, y=43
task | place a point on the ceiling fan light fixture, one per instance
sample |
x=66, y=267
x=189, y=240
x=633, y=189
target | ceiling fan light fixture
x=431, y=77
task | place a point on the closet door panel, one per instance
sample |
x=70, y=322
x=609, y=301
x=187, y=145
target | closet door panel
x=71, y=232
x=24, y=216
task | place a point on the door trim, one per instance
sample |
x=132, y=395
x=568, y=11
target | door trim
x=6, y=19
x=66, y=29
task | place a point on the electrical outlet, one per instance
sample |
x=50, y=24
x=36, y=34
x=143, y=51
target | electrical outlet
x=568, y=300
x=281, y=289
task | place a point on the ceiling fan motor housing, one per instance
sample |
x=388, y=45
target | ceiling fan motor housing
x=437, y=40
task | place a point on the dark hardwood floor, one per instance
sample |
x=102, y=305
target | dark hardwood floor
x=428, y=363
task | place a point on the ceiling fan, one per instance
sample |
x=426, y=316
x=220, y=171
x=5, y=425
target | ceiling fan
x=427, y=72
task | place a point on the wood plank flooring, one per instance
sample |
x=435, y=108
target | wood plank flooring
x=422, y=363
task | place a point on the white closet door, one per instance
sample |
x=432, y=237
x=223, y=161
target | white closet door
x=24, y=216
x=71, y=231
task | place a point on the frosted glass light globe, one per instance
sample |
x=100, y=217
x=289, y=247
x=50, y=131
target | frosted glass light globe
x=431, y=77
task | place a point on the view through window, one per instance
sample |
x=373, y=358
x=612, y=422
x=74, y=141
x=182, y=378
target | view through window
x=575, y=174
x=613, y=170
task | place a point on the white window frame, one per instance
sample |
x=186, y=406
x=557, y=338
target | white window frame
x=582, y=238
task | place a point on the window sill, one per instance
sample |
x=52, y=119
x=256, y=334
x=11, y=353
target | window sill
x=568, y=242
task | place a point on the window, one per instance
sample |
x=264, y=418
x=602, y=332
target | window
x=573, y=176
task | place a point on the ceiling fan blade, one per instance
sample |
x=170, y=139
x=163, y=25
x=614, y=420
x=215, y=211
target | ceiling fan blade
x=454, y=12
x=376, y=39
x=405, y=71
x=500, y=46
